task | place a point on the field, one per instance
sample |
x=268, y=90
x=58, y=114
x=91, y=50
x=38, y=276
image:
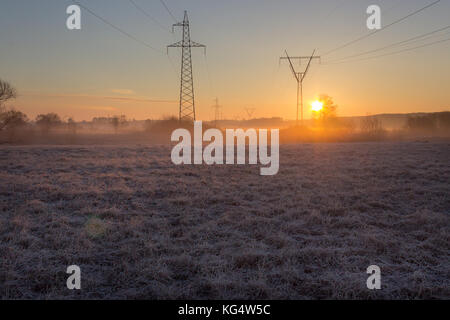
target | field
x=141, y=228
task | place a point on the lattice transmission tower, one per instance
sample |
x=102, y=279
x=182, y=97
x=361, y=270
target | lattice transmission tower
x=217, y=113
x=187, y=98
x=300, y=77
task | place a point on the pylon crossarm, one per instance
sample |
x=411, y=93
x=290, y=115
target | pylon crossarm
x=307, y=67
x=292, y=67
x=198, y=45
x=176, y=45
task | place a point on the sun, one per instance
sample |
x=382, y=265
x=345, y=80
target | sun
x=316, y=106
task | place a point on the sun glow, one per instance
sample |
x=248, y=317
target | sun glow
x=316, y=106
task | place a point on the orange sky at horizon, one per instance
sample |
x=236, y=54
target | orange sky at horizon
x=96, y=72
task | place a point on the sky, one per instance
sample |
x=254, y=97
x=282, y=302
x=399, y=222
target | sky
x=97, y=71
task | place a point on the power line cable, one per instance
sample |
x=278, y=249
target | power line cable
x=211, y=85
x=347, y=2
x=384, y=28
x=395, y=52
x=172, y=65
x=391, y=45
x=168, y=10
x=125, y=33
x=160, y=25
x=148, y=15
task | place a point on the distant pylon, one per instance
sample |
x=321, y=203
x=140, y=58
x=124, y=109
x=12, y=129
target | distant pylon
x=250, y=112
x=187, y=99
x=217, y=113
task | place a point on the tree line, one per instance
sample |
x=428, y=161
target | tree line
x=12, y=120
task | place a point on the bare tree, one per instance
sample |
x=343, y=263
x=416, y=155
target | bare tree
x=371, y=124
x=7, y=92
x=372, y=128
x=48, y=121
x=327, y=115
x=426, y=123
x=329, y=109
x=118, y=122
x=11, y=121
x=72, y=126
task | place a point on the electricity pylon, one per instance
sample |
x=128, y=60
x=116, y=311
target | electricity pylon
x=187, y=101
x=250, y=112
x=299, y=77
x=217, y=113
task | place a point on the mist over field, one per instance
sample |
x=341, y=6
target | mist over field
x=141, y=227
x=50, y=129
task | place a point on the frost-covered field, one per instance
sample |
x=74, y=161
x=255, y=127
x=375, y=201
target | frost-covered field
x=139, y=227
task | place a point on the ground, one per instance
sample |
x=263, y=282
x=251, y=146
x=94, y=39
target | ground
x=140, y=227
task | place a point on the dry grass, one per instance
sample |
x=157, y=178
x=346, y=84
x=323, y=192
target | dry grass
x=139, y=227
